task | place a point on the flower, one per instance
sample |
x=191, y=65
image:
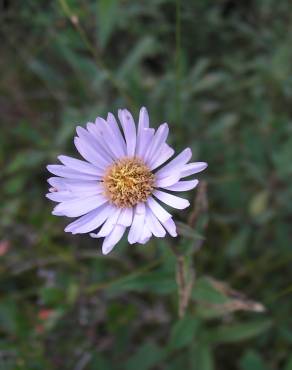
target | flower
x=122, y=180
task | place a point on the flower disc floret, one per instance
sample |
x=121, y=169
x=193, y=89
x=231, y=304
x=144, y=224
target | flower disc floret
x=128, y=182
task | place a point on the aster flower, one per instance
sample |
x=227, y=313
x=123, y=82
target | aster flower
x=124, y=180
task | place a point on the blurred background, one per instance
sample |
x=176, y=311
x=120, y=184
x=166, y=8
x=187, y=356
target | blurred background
x=220, y=73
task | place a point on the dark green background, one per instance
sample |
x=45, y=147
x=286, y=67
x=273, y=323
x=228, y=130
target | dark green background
x=227, y=94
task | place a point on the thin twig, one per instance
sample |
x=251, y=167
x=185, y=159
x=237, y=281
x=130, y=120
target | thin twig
x=100, y=63
x=185, y=271
x=103, y=285
x=178, y=60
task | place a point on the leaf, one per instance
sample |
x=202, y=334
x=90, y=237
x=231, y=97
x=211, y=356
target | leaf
x=21, y=162
x=206, y=292
x=107, y=16
x=208, y=82
x=8, y=316
x=45, y=72
x=224, y=124
x=52, y=295
x=187, y=231
x=157, y=282
x=237, y=332
x=13, y=319
x=252, y=361
x=238, y=243
x=288, y=365
x=259, y=203
x=99, y=361
x=147, y=356
x=183, y=332
x=197, y=71
x=202, y=357
x=144, y=47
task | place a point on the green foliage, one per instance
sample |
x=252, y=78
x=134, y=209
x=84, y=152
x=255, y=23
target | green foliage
x=237, y=332
x=62, y=304
x=146, y=357
x=252, y=361
x=183, y=332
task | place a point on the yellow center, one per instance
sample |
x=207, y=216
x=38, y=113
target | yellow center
x=128, y=182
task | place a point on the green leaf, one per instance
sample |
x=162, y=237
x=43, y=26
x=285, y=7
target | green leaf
x=99, y=361
x=144, y=47
x=238, y=243
x=224, y=123
x=107, y=16
x=147, y=356
x=204, y=291
x=13, y=319
x=159, y=282
x=209, y=82
x=201, y=357
x=188, y=232
x=45, y=72
x=288, y=365
x=52, y=295
x=183, y=332
x=21, y=162
x=237, y=332
x=252, y=361
x=259, y=203
x=8, y=316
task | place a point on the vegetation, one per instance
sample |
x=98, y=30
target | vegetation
x=219, y=72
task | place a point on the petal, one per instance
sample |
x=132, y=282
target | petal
x=145, y=236
x=167, y=181
x=60, y=196
x=114, y=142
x=161, y=214
x=116, y=130
x=126, y=217
x=63, y=171
x=91, y=142
x=103, y=149
x=90, y=221
x=153, y=224
x=157, y=142
x=113, y=238
x=192, y=168
x=183, y=185
x=88, y=153
x=81, y=166
x=57, y=182
x=137, y=224
x=143, y=119
x=76, y=187
x=110, y=223
x=146, y=137
x=175, y=164
x=142, y=124
x=129, y=129
x=82, y=187
x=80, y=206
x=170, y=227
x=171, y=200
x=163, y=156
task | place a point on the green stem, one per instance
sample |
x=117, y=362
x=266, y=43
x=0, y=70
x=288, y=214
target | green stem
x=178, y=60
x=100, y=63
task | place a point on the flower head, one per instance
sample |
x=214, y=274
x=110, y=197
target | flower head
x=122, y=181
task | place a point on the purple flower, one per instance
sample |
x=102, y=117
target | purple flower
x=123, y=180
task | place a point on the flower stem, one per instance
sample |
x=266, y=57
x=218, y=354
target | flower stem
x=178, y=60
x=98, y=60
x=185, y=277
x=185, y=271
